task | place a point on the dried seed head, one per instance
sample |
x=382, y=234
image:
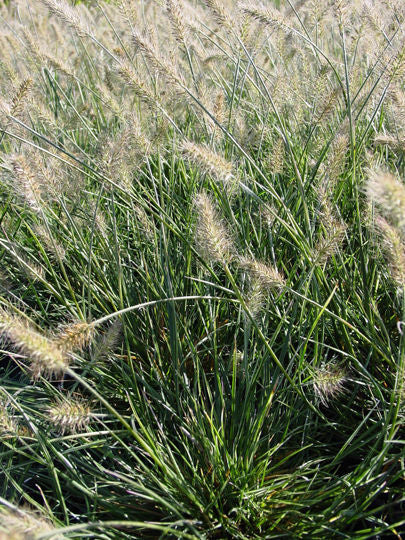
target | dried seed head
x=336, y=158
x=129, y=9
x=95, y=213
x=276, y=157
x=75, y=336
x=395, y=143
x=175, y=12
x=268, y=214
x=25, y=183
x=31, y=269
x=255, y=298
x=24, y=525
x=388, y=192
x=20, y=98
x=126, y=71
x=220, y=107
x=110, y=339
x=263, y=274
x=211, y=235
x=159, y=64
x=394, y=250
x=264, y=15
x=219, y=12
x=395, y=104
x=123, y=150
x=396, y=68
x=329, y=382
x=341, y=10
x=211, y=163
x=69, y=16
x=330, y=242
x=147, y=227
x=326, y=106
x=45, y=357
x=333, y=231
x=70, y=415
x=8, y=426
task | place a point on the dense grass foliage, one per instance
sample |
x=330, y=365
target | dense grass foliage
x=202, y=269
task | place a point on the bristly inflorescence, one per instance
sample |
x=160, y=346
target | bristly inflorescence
x=70, y=415
x=160, y=64
x=396, y=143
x=393, y=248
x=8, y=425
x=44, y=355
x=68, y=16
x=23, y=524
x=212, y=238
x=263, y=14
x=175, y=13
x=135, y=82
x=75, y=336
x=329, y=382
x=332, y=233
x=219, y=12
x=266, y=276
x=212, y=164
x=388, y=192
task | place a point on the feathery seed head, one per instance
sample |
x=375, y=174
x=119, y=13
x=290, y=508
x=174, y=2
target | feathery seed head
x=396, y=68
x=131, y=78
x=329, y=382
x=25, y=182
x=8, y=426
x=341, y=9
x=394, y=250
x=220, y=107
x=70, y=415
x=159, y=64
x=396, y=106
x=276, y=157
x=45, y=357
x=75, y=336
x=395, y=143
x=264, y=15
x=50, y=244
x=69, y=16
x=219, y=12
x=146, y=224
x=336, y=158
x=210, y=163
x=175, y=12
x=5, y=108
x=31, y=269
x=333, y=230
x=330, y=241
x=129, y=9
x=268, y=214
x=266, y=276
x=110, y=339
x=20, y=98
x=24, y=525
x=388, y=192
x=255, y=298
x=123, y=151
x=211, y=235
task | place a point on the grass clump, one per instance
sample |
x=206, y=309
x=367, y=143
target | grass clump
x=203, y=269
